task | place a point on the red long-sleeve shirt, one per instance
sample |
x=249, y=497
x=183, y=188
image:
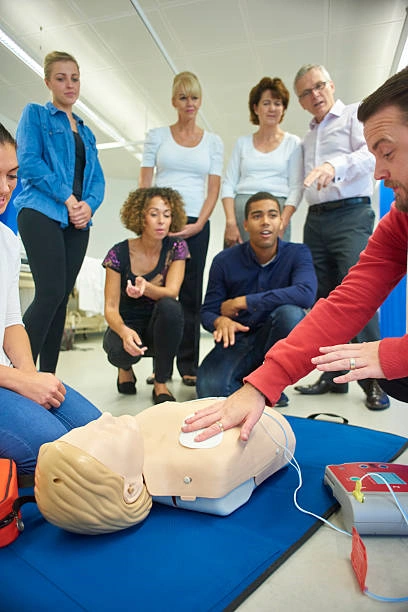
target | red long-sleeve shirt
x=344, y=313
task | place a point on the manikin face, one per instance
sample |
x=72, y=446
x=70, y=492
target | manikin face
x=157, y=218
x=315, y=93
x=269, y=110
x=117, y=443
x=187, y=105
x=264, y=224
x=64, y=84
x=8, y=174
x=386, y=134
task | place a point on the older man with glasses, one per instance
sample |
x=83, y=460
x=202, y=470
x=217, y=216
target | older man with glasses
x=338, y=187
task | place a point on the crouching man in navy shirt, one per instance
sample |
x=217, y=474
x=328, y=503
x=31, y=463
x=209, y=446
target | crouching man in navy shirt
x=257, y=292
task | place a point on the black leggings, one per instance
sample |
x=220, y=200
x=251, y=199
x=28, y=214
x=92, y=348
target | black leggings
x=398, y=388
x=190, y=297
x=55, y=256
x=161, y=333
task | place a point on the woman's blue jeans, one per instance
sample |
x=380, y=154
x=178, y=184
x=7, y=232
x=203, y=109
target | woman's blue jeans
x=25, y=425
x=223, y=369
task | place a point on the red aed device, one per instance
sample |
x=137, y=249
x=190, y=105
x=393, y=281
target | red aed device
x=374, y=510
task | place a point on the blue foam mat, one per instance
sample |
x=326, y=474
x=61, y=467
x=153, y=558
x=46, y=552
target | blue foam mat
x=182, y=560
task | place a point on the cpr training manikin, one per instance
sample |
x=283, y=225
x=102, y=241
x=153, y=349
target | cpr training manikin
x=102, y=477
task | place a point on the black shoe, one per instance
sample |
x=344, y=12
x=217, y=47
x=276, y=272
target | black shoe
x=282, y=401
x=323, y=385
x=128, y=387
x=189, y=381
x=162, y=397
x=376, y=398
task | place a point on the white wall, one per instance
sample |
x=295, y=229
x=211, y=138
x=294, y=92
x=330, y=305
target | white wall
x=107, y=227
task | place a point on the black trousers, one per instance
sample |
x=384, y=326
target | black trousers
x=190, y=297
x=160, y=331
x=397, y=388
x=336, y=238
x=55, y=256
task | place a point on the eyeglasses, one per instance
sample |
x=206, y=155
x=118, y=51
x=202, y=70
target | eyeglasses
x=308, y=92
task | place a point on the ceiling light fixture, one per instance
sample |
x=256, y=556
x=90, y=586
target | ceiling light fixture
x=119, y=140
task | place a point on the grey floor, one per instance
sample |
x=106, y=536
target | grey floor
x=318, y=577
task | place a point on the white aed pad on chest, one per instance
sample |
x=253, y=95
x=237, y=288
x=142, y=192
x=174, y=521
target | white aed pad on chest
x=378, y=513
x=217, y=476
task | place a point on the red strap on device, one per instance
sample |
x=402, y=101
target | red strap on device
x=359, y=559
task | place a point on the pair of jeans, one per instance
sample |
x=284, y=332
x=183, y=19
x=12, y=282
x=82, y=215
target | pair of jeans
x=161, y=331
x=223, y=369
x=55, y=255
x=25, y=425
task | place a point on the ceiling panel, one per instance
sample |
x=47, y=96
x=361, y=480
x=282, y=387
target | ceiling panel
x=281, y=20
x=127, y=39
x=14, y=72
x=220, y=25
x=363, y=47
x=102, y=10
x=33, y=16
x=356, y=13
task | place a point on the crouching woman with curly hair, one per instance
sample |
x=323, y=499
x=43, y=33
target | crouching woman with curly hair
x=143, y=280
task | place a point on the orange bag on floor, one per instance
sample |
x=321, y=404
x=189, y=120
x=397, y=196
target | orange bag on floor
x=11, y=524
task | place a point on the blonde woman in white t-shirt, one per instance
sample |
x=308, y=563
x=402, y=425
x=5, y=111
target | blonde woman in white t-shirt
x=189, y=159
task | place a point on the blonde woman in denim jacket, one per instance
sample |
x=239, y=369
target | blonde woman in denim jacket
x=62, y=186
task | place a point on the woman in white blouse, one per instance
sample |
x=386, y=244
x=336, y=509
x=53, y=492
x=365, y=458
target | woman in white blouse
x=269, y=160
x=188, y=159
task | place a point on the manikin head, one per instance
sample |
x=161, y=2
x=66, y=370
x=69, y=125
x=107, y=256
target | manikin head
x=90, y=480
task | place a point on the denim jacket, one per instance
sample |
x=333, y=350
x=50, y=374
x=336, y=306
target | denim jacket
x=46, y=157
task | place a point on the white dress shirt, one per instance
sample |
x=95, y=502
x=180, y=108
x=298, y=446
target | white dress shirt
x=339, y=140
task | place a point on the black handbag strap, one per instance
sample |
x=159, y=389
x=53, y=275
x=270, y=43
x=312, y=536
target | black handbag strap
x=13, y=515
x=20, y=501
